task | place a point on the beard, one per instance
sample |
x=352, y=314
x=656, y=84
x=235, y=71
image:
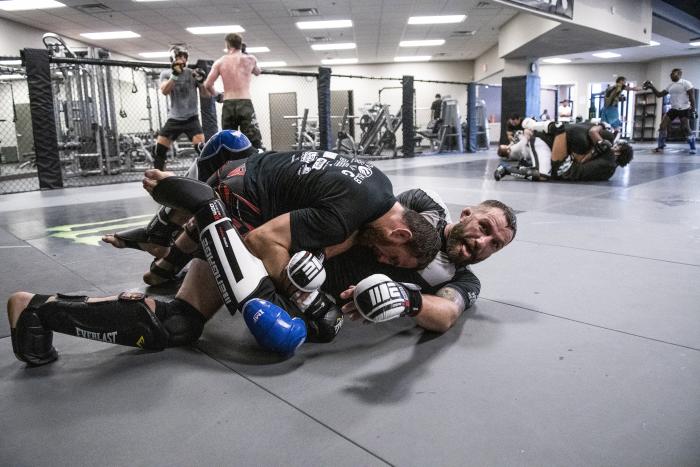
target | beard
x=371, y=237
x=455, y=241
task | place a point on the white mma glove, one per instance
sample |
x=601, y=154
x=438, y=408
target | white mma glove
x=305, y=271
x=378, y=298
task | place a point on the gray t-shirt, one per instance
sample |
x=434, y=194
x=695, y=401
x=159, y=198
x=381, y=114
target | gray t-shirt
x=183, y=98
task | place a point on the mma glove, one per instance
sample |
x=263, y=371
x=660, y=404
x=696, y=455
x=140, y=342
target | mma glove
x=305, y=271
x=693, y=113
x=647, y=84
x=378, y=298
x=220, y=98
x=176, y=70
x=323, y=317
x=199, y=75
x=602, y=147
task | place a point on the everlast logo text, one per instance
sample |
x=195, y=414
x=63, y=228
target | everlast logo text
x=110, y=337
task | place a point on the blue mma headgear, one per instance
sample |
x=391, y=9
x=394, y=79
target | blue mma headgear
x=224, y=146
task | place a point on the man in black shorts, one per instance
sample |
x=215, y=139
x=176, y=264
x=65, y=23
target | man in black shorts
x=236, y=70
x=180, y=84
x=572, y=152
x=683, y=107
x=297, y=202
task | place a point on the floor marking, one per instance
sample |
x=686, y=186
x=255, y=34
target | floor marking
x=82, y=233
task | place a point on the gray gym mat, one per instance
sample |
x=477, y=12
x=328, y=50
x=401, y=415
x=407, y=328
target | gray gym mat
x=583, y=350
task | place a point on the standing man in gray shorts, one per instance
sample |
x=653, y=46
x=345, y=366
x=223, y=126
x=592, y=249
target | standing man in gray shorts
x=236, y=69
x=180, y=84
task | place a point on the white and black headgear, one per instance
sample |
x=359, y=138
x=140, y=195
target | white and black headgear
x=176, y=50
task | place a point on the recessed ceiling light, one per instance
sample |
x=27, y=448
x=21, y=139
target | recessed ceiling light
x=334, y=24
x=19, y=5
x=444, y=19
x=556, y=60
x=155, y=54
x=257, y=50
x=338, y=46
x=415, y=58
x=10, y=62
x=423, y=43
x=695, y=44
x=110, y=35
x=216, y=29
x=607, y=55
x=653, y=43
x=339, y=61
x=271, y=64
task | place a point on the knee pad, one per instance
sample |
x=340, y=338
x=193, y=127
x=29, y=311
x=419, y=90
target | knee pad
x=182, y=322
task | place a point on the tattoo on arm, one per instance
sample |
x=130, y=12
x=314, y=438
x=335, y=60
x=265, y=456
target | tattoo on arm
x=448, y=293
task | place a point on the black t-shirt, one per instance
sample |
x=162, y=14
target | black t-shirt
x=435, y=108
x=359, y=262
x=512, y=129
x=597, y=170
x=577, y=139
x=327, y=195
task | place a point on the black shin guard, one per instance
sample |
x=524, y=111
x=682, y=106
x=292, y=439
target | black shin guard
x=31, y=342
x=160, y=231
x=160, y=156
x=125, y=321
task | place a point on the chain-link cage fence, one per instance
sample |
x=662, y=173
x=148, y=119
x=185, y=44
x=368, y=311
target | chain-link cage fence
x=366, y=115
x=440, y=115
x=286, y=110
x=107, y=119
x=17, y=167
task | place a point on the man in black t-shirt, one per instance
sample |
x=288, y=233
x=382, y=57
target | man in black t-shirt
x=303, y=202
x=448, y=286
x=513, y=125
x=436, y=107
x=572, y=152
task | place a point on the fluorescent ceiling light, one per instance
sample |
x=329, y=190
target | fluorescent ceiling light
x=19, y=5
x=695, y=44
x=653, y=43
x=11, y=77
x=155, y=54
x=339, y=61
x=10, y=62
x=216, y=29
x=423, y=43
x=271, y=64
x=415, y=58
x=110, y=35
x=556, y=60
x=339, y=23
x=444, y=19
x=257, y=50
x=339, y=46
x=607, y=55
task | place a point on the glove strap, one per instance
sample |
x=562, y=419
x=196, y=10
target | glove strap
x=415, y=298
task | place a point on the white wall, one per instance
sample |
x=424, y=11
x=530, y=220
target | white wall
x=487, y=65
x=626, y=18
x=520, y=30
x=584, y=74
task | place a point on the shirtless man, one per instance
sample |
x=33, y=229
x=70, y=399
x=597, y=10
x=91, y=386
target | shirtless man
x=236, y=69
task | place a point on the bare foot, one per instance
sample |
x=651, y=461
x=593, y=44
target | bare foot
x=16, y=304
x=151, y=178
x=158, y=251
